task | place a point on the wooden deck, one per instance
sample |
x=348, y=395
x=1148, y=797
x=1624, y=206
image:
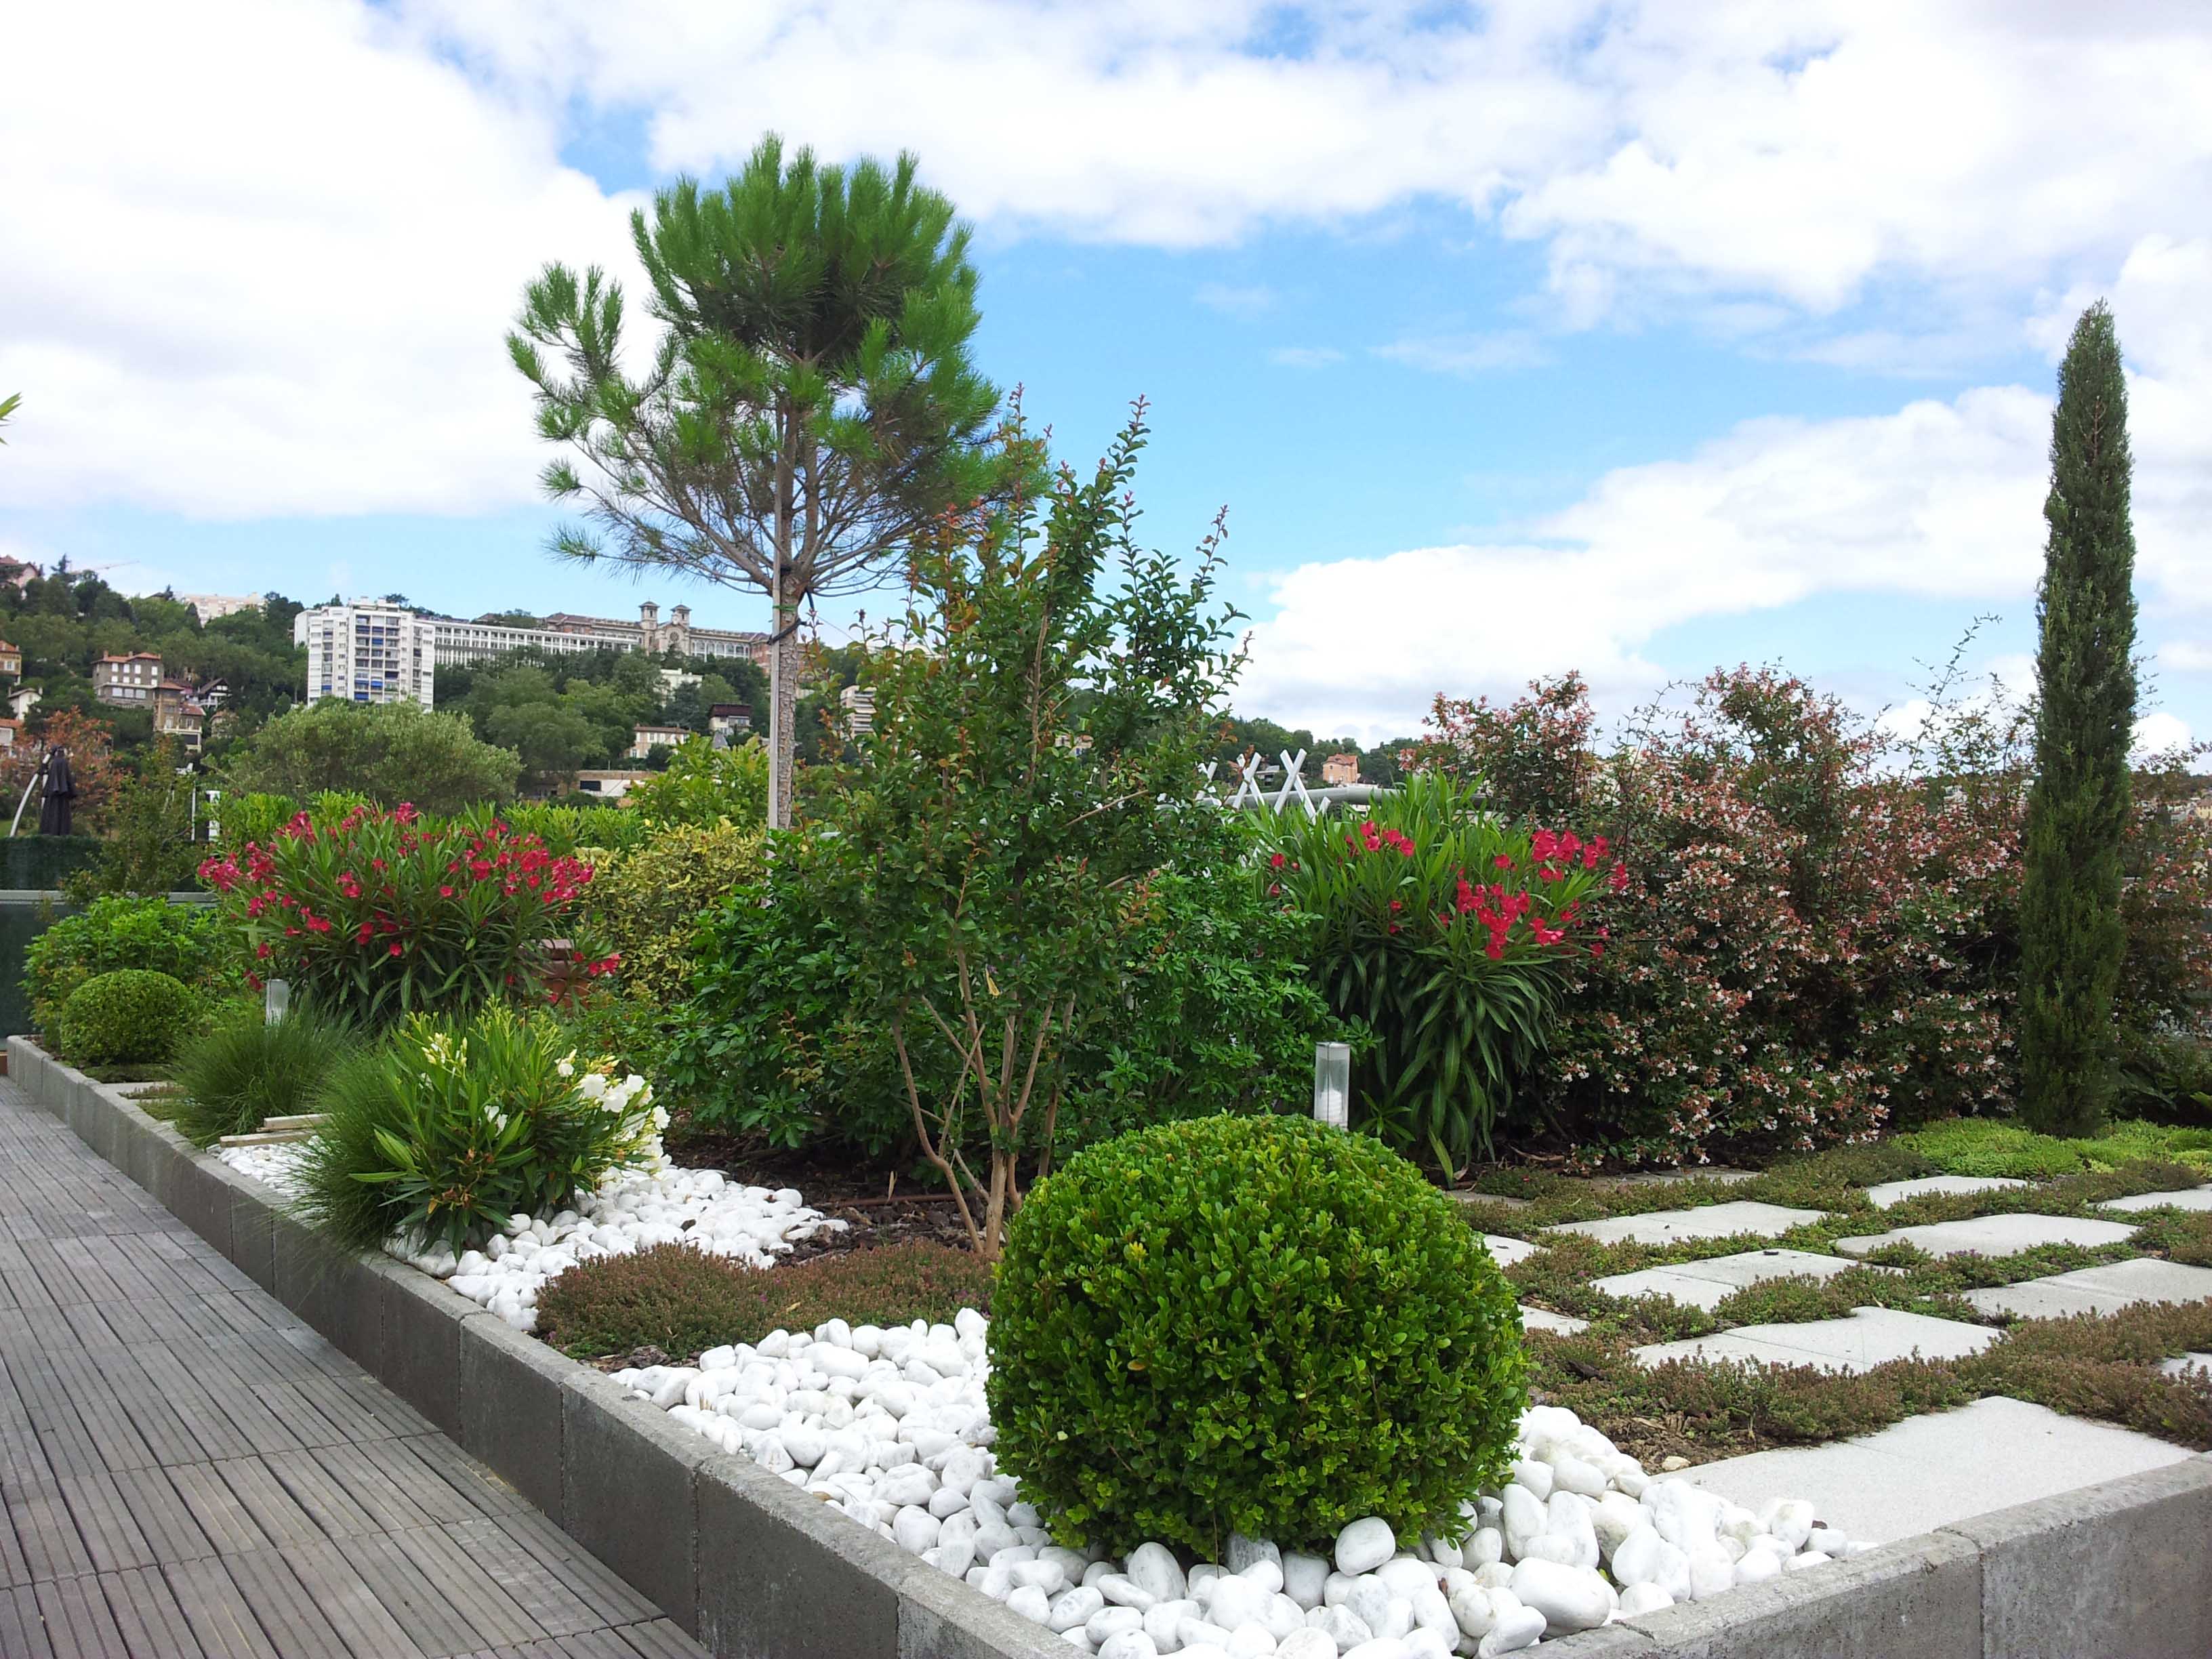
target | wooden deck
x=188, y=1470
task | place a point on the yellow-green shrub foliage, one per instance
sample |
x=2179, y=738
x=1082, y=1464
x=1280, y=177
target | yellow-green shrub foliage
x=646, y=902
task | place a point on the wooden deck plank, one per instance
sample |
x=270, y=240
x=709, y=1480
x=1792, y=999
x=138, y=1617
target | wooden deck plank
x=189, y=1472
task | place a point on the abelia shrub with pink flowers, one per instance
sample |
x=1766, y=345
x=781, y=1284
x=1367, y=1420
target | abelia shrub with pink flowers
x=378, y=915
x=1819, y=939
x=1450, y=934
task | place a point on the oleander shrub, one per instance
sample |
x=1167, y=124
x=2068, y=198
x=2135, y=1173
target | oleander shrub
x=180, y=940
x=1452, y=935
x=242, y=1070
x=447, y=1128
x=132, y=1017
x=380, y=914
x=1251, y=1324
x=683, y=1301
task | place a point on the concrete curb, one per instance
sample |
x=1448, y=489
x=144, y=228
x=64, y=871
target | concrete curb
x=757, y=1570
x=745, y=1561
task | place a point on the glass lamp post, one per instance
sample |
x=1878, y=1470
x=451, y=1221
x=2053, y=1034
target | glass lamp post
x=1333, y=1084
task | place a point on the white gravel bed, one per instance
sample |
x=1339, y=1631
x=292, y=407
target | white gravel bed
x=632, y=1210
x=891, y=1427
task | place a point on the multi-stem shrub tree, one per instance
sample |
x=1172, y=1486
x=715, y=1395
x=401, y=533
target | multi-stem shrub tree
x=2071, y=935
x=1032, y=772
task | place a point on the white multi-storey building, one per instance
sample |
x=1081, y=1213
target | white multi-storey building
x=371, y=651
x=461, y=643
x=368, y=651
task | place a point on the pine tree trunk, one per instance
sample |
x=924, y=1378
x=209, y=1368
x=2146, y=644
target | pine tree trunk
x=783, y=692
x=2071, y=935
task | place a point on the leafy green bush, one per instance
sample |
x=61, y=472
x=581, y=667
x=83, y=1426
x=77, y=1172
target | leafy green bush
x=1250, y=1324
x=682, y=1301
x=151, y=934
x=1217, y=1013
x=243, y=1070
x=132, y=1017
x=447, y=1128
x=703, y=786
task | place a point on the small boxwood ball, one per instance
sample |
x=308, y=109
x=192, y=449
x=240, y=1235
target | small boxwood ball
x=132, y=1017
x=1249, y=1324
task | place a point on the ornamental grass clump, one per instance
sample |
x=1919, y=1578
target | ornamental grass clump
x=243, y=1071
x=447, y=1128
x=1249, y=1324
x=381, y=915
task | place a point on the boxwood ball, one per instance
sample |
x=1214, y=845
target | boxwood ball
x=1249, y=1324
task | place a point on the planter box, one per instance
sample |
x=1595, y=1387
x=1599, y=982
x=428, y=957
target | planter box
x=757, y=1570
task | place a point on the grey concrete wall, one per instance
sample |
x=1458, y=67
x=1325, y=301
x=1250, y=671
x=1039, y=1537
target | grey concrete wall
x=757, y=1570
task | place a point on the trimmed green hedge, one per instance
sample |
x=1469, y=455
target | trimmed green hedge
x=1249, y=1324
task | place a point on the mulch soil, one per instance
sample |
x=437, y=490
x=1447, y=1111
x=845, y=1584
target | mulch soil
x=879, y=1203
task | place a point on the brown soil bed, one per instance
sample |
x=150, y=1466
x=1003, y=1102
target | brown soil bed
x=879, y=1203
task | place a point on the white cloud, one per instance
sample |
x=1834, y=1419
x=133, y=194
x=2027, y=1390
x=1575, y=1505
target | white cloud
x=1304, y=356
x=2184, y=656
x=261, y=262
x=1940, y=499
x=1795, y=149
x=2161, y=734
x=1466, y=354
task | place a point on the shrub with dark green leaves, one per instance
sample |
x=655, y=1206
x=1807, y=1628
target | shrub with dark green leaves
x=1251, y=1324
x=243, y=1070
x=133, y=1017
x=682, y=1301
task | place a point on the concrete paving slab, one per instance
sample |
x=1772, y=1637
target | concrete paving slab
x=1669, y=1177
x=1706, y=1221
x=2190, y=1198
x=1506, y=1251
x=1993, y=1235
x=1869, y=1338
x=2189, y=1363
x=1543, y=1319
x=1937, y=1470
x=1887, y=1192
x=1707, y=1284
x=2104, y=1290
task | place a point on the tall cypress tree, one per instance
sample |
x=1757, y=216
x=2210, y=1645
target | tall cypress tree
x=2071, y=938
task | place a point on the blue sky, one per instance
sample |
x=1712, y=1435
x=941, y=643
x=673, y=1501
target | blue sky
x=1514, y=338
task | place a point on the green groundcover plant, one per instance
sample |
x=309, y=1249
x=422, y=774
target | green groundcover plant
x=682, y=1301
x=1254, y=1324
x=447, y=1128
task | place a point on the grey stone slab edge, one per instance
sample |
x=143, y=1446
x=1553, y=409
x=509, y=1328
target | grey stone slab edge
x=756, y=1569
x=750, y=1566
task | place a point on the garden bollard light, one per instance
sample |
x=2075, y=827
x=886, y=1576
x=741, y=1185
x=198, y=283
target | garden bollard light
x=1333, y=1084
x=275, y=997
